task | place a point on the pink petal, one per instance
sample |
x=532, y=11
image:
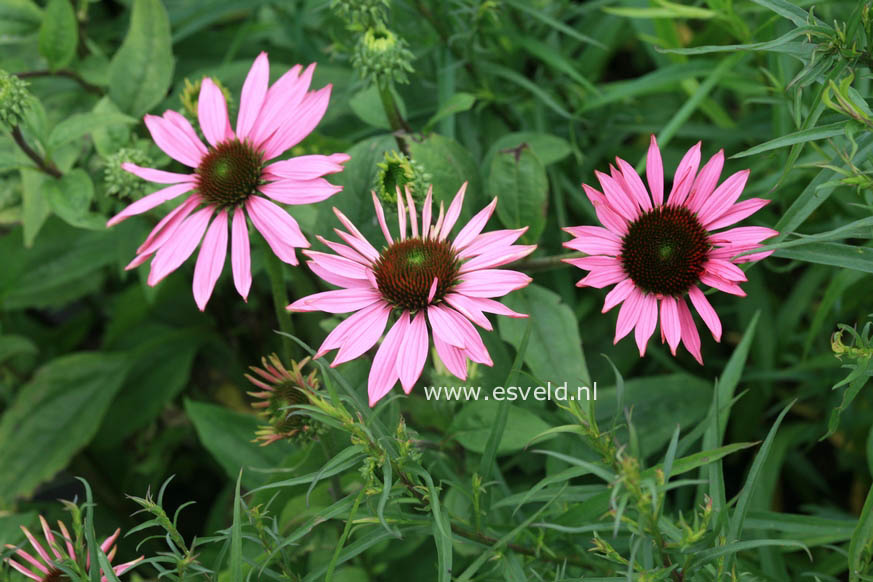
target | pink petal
x=289, y=191
x=24, y=570
x=618, y=294
x=453, y=212
x=36, y=546
x=335, y=279
x=298, y=123
x=604, y=277
x=627, y=315
x=491, y=306
x=736, y=213
x=413, y=352
x=608, y=217
x=30, y=559
x=182, y=124
x=339, y=265
x=655, y=172
x=49, y=537
x=168, y=225
x=278, y=227
x=452, y=357
x=283, y=97
x=618, y=200
x=443, y=326
x=670, y=323
x=743, y=235
x=705, y=182
x=364, y=331
x=648, y=320
x=473, y=345
x=68, y=540
x=173, y=141
x=159, y=176
x=337, y=301
x=413, y=217
x=426, y=213
x=707, y=313
x=240, y=254
x=498, y=258
x=210, y=261
x=147, y=203
x=472, y=229
x=634, y=184
x=721, y=284
x=344, y=251
x=401, y=215
x=469, y=309
x=212, y=113
x=307, y=167
x=491, y=242
x=383, y=373
x=492, y=282
x=176, y=250
x=107, y=543
x=380, y=215
x=690, y=337
x=253, y=93
x=724, y=269
x=723, y=198
x=349, y=327
x=684, y=177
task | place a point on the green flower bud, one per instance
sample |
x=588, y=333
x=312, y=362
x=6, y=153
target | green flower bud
x=191, y=93
x=14, y=99
x=120, y=182
x=398, y=171
x=381, y=55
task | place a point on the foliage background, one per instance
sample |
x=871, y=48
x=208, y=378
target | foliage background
x=106, y=378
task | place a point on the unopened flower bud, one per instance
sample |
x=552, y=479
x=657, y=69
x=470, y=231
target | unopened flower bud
x=14, y=99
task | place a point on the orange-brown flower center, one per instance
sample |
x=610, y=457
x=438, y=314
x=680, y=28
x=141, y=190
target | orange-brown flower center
x=405, y=272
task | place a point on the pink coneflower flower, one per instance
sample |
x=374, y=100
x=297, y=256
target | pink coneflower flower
x=282, y=392
x=44, y=567
x=658, y=252
x=435, y=286
x=232, y=178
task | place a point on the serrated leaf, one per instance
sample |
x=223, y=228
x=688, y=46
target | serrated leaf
x=519, y=178
x=54, y=416
x=141, y=71
x=58, y=34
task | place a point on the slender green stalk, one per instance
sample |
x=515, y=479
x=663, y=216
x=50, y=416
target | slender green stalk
x=280, y=300
x=392, y=112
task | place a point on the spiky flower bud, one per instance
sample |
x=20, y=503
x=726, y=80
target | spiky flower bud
x=191, y=93
x=14, y=99
x=282, y=392
x=398, y=172
x=382, y=56
x=121, y=183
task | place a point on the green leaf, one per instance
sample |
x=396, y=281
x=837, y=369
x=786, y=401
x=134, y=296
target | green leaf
x=59, y=34
x=834, y=254
x=228, y=435
x=367, y=105
x=15, y=345
x=19, y=18
x=75, y=126
x=519, y=178
x=141, y=71
x=472, y=426
x=236, y=553
x=54, y=416
x=70, y=198
x=663, y=10
x=548, y=148
x=555, y=350
x=457, y=103
x=35, y=208
x=449, y=165
x=861, y=545
x=802, y=136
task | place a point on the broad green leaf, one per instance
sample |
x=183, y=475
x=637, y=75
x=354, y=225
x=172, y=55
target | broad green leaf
x=15, y=345
x=74, y=127
x=449, y=165
x=19, y=18
x=35, y=209
x=834, y=254
x=10, y=526
x=548, y=148
x=141, y=71
x=54, y=416
x=519, y=178
x=457, y=103
x=472, y=426
x=228, y=436
x=554, y=353
x=70, y=198
x=59, y=34
x=367, y=105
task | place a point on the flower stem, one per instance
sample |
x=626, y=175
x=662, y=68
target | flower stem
x=45, y=166
x=546, y=263
x=392, y=112
x=280, y=300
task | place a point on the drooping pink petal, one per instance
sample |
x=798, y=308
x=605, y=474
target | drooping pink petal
x=491, y=242
x=335, y=279
x=593, y=240
x=452, y=357
x=670, y=324
x=736, y=213
x=473, y=345
x=707, y=313
x=148, y=202
x=618, y=200
x=158, y=176
x=655, y=172
x=288, y=191
x=491, y=306
x=723, y=197
x=690, y=337
x=351, y=326
x=339, y=265
x=345, y=251
x=705, y=182
x=383, y=373
x=473, y=228
x=628, y=314
x=469, y=309
x=724, y=269
x=168, y=224
x=278, y=227
x=177, y=249
x=743, y=235
x=498, y=258
x=647, y=321
x=365, y=329
x=684, y=177
x=298, y=123
x=602, y=277
x=184, y=126
x=212, y=113
x=618, y=294
x=338, y=301
x=210, y=261
x=307, y=167
x=413, y=352
x=634, y=184
x=492, y=282
x=253, y=93
x=453, y=212
x=173, y=141
x=721, y=284
x=240, y=254
x=443, y=326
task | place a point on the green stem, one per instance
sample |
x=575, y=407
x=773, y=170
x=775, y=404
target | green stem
x=546, y=263
x=392, y=112
x=280, y=301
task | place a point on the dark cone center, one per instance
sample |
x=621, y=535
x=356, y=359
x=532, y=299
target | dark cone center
x=406, y=270
x=664, y=250
x=229, y=173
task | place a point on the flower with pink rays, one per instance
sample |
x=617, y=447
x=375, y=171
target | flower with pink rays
x=437, y=287
x=46, y=567
x=657, y=252
x=233, y=178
